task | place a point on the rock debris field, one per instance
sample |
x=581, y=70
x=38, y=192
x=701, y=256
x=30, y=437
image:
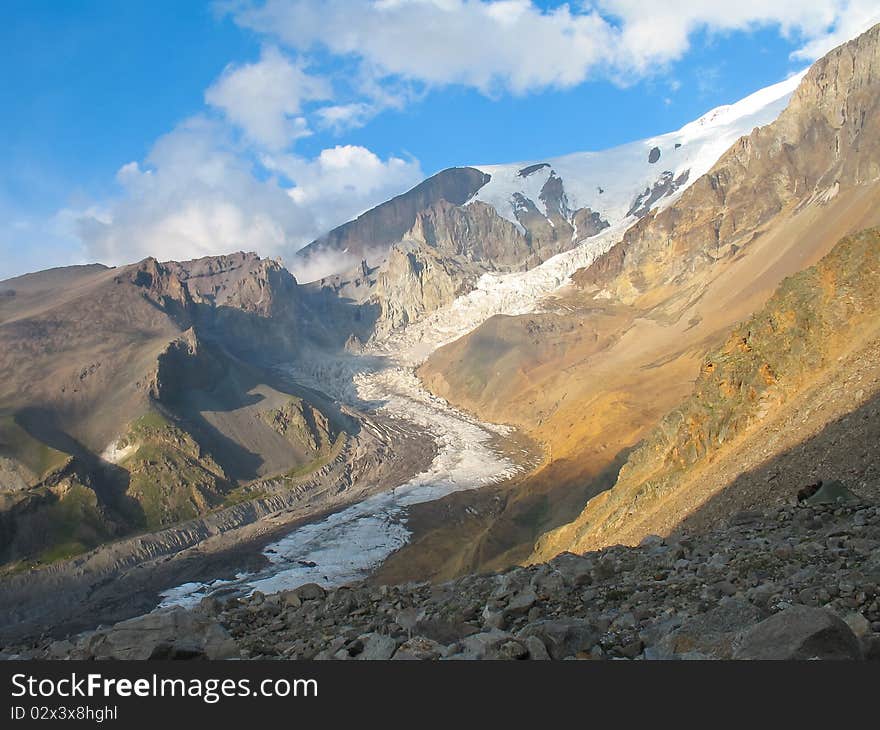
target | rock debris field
x=794, y=582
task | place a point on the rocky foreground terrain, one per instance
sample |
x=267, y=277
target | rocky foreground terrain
x=798, y=581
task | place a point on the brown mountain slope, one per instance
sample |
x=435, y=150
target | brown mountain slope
x=807, y=358
x=137, y=397
x=825, y=141
x=623, y=346
x=591, y=378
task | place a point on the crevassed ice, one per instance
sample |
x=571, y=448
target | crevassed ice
x=509, y=294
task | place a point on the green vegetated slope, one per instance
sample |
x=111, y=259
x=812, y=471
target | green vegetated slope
x=170, y=478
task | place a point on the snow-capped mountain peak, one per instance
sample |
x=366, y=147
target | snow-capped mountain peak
x=628, y=180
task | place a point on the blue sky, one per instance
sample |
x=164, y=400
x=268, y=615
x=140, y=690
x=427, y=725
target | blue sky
x=185, y=128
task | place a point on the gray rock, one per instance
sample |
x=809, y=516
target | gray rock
x=632, y=649
x=378, y=647
x=871, y=648
x=537, y=650
x=547, y=583
x=649, y=541
x=576, y=571
x=562, y=637
x=711, y=634
x=444, y=632
x=507, y=650
x=858, y=624
x=761, y=594
x=521, y=603
x=291, y=599
x=494, y=618
x=310, y=592
x=418, y=648
x=482, y=645
x=210, y=605
x=409, y=618
x=799, y=632
x=604, y=568
x=175, y=633
x=60, y=649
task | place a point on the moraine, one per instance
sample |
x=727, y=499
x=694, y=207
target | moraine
x=349, y=544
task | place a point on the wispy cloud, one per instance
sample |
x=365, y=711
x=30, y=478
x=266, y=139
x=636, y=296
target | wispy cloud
x=265, y=99
x=201, y=193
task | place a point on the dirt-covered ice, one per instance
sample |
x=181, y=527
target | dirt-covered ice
x=347, y=545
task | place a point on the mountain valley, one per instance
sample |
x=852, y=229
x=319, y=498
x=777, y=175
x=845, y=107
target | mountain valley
x=582, y=373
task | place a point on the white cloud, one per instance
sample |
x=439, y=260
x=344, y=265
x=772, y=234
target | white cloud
x=265, y=98
x=515, y=46
x=491, y=46
x=341, y=117
x=205, y=190
x=858, y=16
x=344, y=181
x=199, y=196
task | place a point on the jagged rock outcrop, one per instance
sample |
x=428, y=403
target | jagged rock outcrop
x=415, y=280
x=587, y=223
x=371, y=234
x=302, y=423
x=474, y=232
x=253, y=305
x=450, y=247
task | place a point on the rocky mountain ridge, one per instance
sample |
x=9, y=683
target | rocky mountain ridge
x=371, y=233
x=824, y=141
x=133, y=397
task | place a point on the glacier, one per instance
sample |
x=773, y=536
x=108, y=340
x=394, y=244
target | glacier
x=350, y=543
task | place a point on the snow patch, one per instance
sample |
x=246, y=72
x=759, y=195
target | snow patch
x=114, y=454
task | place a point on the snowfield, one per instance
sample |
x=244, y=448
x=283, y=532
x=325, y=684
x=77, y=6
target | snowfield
x=609, y=181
